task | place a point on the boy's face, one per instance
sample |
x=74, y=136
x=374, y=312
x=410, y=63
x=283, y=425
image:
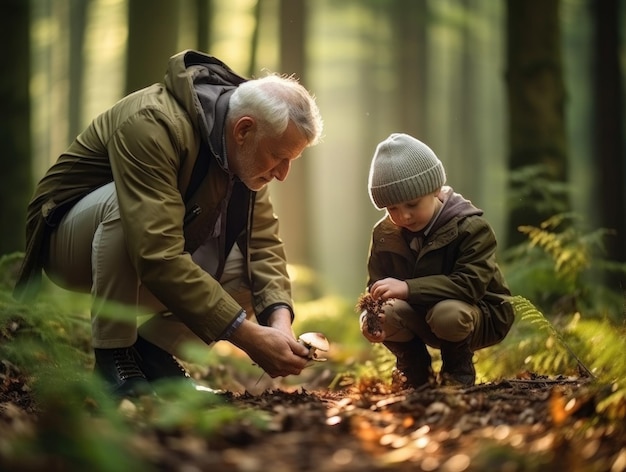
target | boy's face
x=414, y=215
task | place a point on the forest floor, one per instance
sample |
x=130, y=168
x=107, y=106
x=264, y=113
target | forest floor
x=334, y=418
x=528, y=423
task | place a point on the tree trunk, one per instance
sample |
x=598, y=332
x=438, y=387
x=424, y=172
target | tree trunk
x=608, y=124
x=470, y=105
x=15, y=158
x=78, y=18
x=536, y=95
x=152, y=39
x=254, y=41
x=204, y=9
x=292, y=195
x=408, y=22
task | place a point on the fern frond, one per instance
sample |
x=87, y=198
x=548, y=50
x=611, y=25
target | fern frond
x=614, y=405
x=528, y=312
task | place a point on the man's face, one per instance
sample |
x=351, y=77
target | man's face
x=257, y=161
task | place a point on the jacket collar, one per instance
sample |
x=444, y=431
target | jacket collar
x=203, y=85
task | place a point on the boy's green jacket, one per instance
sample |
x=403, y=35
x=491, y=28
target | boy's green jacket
x=455, y=259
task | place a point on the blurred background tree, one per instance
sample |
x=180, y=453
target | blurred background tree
x=607, y=113
x=150, y=41
x=523, y=100
x=536, y=99
x=15, y=136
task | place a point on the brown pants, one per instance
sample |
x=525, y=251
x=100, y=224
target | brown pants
x=87, y=254
x=448, y=320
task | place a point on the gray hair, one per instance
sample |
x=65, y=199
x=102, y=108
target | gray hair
x=275, y=100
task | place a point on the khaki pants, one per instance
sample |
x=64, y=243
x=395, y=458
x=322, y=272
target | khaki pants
x=448, y=320
x=87, y=254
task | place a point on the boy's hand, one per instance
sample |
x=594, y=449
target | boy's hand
x=377, y=337
x=390, y=288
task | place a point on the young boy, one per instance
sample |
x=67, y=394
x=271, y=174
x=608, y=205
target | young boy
x=433, y=261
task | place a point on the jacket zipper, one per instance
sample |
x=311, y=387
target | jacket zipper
x=191, y=214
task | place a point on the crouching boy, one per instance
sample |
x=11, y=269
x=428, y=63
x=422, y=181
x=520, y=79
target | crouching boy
x=432, y=262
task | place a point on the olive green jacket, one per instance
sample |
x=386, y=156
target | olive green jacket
x=148, y=143
x=454, y=259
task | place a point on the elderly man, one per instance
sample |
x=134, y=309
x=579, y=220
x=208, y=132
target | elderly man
x=160, y=206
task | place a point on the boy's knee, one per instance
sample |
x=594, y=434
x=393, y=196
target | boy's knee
x=452, y=320
x=395, y=325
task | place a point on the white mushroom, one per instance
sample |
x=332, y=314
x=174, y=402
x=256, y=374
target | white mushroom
x=314, y=342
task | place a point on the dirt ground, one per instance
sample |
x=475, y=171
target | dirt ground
x=530, y=423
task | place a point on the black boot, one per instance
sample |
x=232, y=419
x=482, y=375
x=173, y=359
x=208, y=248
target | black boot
x=413, y=363
x=458, y=367
x=119, y=369
x=158, y=364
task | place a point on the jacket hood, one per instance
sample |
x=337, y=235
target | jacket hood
x=454, y=206
x=202, y=84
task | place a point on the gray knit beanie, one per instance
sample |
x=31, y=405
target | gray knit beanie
x=403, y=169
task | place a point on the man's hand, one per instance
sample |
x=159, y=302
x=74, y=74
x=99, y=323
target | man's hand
x=281, y=320
x=389, y=288
x=277, y=352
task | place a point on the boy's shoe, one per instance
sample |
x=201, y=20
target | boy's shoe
x=118, y=368
x=413, y=363
x=458, y=367
x=158, y=364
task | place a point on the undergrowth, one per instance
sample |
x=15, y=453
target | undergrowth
x=45, y=350
x=49, y=342
x=570, y=346
x=563, y=268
